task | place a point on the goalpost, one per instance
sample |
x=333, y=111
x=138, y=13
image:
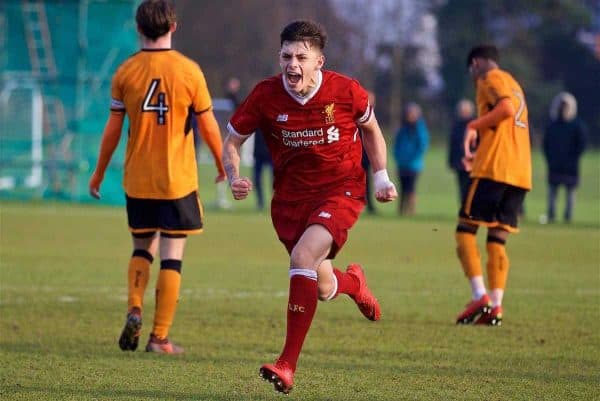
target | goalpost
x=22, y=145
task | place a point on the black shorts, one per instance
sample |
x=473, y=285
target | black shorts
x=172, y=216
x=492, y=204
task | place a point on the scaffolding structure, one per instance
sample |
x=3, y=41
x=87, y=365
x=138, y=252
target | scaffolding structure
x=56, y=61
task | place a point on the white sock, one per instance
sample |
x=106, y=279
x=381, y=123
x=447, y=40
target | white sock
x=334, y=290
x=496, y=296
x=477, y=287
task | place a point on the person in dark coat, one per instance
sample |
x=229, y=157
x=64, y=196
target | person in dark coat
x=262, y=160
x=565, y=140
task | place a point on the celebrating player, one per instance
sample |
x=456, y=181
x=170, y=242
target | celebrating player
x=500, y=177
x=311, y=118
x=157, y=88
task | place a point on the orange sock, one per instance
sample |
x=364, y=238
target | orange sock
x=138, y=275
x=468, y=254
x=167, y=294
x=498, y=264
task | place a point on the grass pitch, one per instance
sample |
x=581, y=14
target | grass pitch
x=63, y=299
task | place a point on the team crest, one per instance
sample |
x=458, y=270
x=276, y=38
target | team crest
x=328, y=111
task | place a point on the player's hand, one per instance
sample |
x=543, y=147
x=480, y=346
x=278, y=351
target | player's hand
x=220, y=178
x=94, y=185
x=470, y=142
x=468, y=162
x=241, y=187
x=386, y=194
x=385, y=190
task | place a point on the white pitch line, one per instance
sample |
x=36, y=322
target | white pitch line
x=17, y=295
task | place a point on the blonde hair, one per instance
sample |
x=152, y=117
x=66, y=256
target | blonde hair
x=569, y=111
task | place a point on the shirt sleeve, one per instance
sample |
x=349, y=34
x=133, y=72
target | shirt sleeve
x=246, y=118
x=361, y=108
x=116, y=94
x=495, y=87
x=201, y=100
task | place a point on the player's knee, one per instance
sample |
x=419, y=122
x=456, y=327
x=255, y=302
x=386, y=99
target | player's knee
x=325, y=291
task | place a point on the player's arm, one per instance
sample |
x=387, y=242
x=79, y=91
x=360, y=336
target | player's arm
x=374, y=143
x=211, y=135
x=110, y=140
x=502, y=110
x=240, y=186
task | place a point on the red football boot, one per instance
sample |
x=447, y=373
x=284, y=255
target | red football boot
x=280, y=374
x=474, y=309
x=163, y=346
x=492, y=317
x=364, y=298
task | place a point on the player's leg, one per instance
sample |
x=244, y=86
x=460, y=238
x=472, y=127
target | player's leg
x=352, y=282
x=470, y=260
x=507, y=217
x=306, y=256
x=138, y=274
x=167, y=293
x=475, y=210
x=145, y=246
x=177, y=219
x=497, y=270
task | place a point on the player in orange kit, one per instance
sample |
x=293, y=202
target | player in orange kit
x=160, y=90
x=500, y=178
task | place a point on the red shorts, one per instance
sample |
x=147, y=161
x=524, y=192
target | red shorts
x=337, y=213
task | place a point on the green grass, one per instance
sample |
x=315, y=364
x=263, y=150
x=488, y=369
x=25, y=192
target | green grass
x=63, y=296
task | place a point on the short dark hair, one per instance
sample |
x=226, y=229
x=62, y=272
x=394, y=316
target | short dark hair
x=305, y=31
x=154, y=18
x=483, y=51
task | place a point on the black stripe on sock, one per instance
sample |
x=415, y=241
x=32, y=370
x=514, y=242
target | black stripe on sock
x=171, y=264
x=491, y=238
x=142, y=253
x=465, y=229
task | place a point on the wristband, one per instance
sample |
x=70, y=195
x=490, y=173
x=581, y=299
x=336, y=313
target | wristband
x=381, y=179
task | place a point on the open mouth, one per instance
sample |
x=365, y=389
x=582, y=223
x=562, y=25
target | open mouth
x=293, y=77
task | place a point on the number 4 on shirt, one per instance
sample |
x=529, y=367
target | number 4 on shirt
x=160, y=108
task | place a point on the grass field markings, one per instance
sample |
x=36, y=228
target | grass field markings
x=68, y=294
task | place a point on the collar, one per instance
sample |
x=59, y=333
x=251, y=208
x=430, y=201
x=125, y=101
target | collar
x=303, y=99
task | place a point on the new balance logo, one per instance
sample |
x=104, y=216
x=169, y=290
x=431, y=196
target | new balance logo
x=325, y=215
x=282, y=117
x=333, y=134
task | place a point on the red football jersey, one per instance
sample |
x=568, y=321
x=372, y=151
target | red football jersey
x=314, y=141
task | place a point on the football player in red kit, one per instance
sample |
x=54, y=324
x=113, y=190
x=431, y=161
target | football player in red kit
x=311, y=119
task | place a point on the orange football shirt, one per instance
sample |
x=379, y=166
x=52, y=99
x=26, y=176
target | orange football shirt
x=504, y=152
x=159, y=90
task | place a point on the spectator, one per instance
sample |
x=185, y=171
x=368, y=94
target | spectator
x=262, y=160
x=367, y=166
x=412, y=141
x=564, y=142
x=465, y=111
